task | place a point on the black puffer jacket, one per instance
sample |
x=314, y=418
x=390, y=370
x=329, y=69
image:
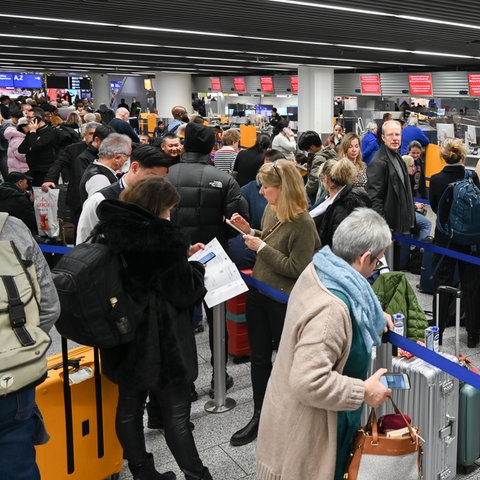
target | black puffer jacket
x=347, y=200
x=40, y=148
x=207, y=195
x=14, y=202
x=164, y=286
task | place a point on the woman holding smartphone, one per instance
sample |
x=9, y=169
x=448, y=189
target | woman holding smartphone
x=285, y=246
x=162, y=358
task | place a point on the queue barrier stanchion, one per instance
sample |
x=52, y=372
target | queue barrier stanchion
x=220, y=403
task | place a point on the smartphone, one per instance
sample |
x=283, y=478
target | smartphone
x=228, y=222
x=399, y=381
x=209, y=256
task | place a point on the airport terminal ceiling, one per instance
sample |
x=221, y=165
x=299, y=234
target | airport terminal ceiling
x=212, y=37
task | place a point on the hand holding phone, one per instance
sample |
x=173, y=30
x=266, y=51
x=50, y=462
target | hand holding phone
x=228, y=222
x=399, y=381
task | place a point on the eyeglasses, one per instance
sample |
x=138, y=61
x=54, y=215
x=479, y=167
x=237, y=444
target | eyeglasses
x=379, y=264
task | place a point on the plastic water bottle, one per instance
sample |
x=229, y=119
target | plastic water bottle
x=399, y=323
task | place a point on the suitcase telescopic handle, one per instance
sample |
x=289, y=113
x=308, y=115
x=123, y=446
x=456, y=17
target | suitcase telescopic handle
x=457, y=293
x=450, y=290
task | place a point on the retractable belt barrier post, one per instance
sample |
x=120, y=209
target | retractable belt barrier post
x=220, y=403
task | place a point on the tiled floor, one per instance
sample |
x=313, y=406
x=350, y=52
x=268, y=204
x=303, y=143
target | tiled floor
x=212, y=431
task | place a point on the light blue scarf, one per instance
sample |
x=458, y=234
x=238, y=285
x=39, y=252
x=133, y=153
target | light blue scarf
x=335, y=273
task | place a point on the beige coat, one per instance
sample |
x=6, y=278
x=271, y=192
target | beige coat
x=298, y=425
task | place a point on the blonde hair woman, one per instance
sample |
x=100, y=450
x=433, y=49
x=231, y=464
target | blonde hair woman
x=337, y=177
x=284, y=246
x=350, y=148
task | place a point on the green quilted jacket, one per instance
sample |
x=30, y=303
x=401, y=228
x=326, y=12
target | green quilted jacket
x=397, y=296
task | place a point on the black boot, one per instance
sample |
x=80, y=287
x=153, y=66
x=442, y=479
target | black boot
x=206, y=475
x=146, y=471
x=248, y=433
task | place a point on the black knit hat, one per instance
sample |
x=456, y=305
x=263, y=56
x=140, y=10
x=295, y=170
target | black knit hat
x=198, y=138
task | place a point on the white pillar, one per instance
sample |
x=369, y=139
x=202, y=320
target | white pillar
x=172, y=89
x=315, y=99
x=101, y=88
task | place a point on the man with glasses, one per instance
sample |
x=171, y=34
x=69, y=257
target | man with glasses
x=114, y=151
x=180, y=116
x=388, y=183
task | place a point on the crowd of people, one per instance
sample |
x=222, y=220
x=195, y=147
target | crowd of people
x=316, y=237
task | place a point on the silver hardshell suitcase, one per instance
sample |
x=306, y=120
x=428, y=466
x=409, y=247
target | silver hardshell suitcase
x=381, y=358
x=432, y=403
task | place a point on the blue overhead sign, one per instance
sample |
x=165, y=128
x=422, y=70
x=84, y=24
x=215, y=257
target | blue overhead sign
x=21, y=80
x=6, y=80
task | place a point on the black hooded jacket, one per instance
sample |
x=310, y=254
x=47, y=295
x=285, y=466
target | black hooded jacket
x=348, y=199
x=164, y=287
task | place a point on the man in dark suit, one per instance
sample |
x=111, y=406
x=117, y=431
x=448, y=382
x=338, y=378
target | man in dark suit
x=388, y=183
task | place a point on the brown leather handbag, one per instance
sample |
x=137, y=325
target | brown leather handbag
x=376, y=456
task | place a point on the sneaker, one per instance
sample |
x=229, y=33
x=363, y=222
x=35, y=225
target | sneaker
x=228, y=384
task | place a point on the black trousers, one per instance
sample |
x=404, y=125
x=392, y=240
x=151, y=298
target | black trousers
x=470, y=280
x=265, y=319
x=175, y=407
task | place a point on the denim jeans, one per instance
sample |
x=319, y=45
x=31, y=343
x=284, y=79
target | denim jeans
x=21, y=427
x=423, y=227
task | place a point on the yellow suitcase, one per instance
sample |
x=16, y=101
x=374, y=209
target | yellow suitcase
x=80, y=418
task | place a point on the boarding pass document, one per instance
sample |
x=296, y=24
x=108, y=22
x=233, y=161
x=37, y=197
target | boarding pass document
x=222, y=278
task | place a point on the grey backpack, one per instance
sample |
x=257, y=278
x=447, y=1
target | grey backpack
x=23, y=344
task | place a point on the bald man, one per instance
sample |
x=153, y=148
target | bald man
x=121, y=124
x=180, y=116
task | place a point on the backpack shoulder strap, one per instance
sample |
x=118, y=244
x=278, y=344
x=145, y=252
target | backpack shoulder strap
x=443, y=209
x=3, y=219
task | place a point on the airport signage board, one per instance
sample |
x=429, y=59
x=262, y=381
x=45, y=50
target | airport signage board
x=6, y=80
x=266, y=84
x=239, y=84
x=215, y=84
x=474, y=84
x=370, y=84
x=294, y=84
x=420, y=84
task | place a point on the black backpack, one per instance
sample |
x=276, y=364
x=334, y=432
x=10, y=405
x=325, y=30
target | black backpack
x=95, y=309
x=64, y=136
